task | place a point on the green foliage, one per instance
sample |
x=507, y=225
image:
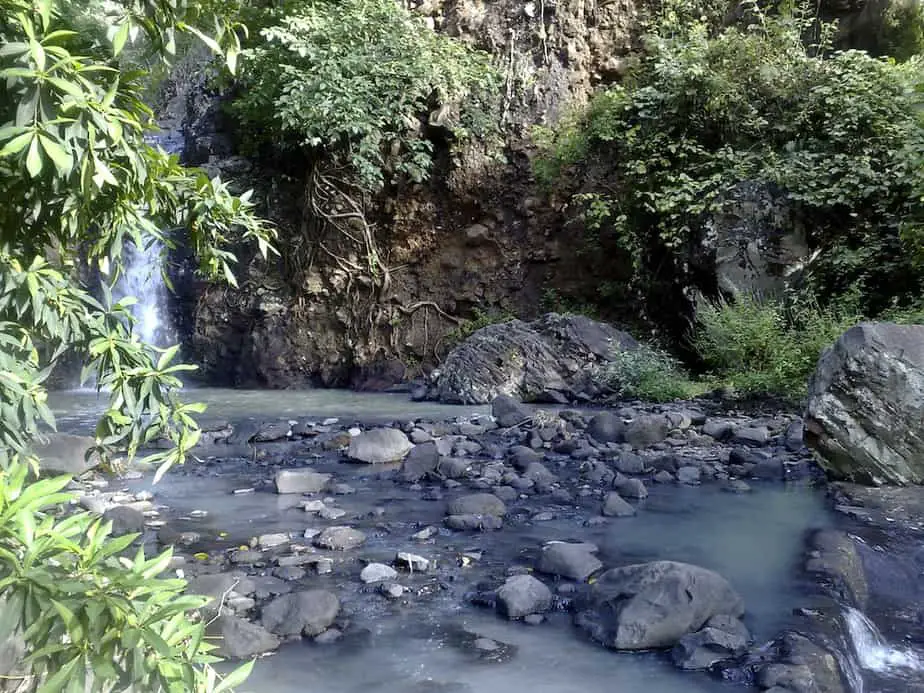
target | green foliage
x=94, y=618
x=902, y=31
x=78, y=181
x=478, y=320
x=764, y=346
x=836, y=133
x=648, y=373
x=352, y=81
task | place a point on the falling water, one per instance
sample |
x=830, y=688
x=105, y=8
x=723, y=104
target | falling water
x=873, y=652
x=142, y=279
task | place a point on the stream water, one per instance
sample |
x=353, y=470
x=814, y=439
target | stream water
x=755, y=540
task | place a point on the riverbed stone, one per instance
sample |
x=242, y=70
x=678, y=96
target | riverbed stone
x=722, y=638
x=616, y=506
x=644, y=431
x=340, y=538
x=630, y=463
x=271, y=431
x=751, y=435
x=509, y=411
x=300, y=481
x=420, y=462
x=377, y=572
x=412, y=562
x=307, y=613
x=522, y=595
x=477, y=504
x=469, y=522
x=653, y=605
x=631, y=488
x=379, y=446
x=125, y=520
x=237, y=638
x=575, y=561
x=866, y=403
x=689, y=475
x=606, y=427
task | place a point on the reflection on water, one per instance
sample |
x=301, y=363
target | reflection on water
x=76, y=410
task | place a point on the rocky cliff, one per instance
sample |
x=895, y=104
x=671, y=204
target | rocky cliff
x=476, y=240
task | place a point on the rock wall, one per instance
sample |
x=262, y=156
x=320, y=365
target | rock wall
x=477, y=239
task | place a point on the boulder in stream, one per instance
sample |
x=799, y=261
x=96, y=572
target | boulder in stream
x=575, y=561
x=379, y=446
x=240, y=639
x=307, y=613
x=544, y=360
x=522, y=595
x=866, y=403
x=64, y=453
x=653, y=605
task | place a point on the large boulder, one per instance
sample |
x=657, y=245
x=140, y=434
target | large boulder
x=653, y=605
x=866, y=404
x=538, y=361
x=380, y=445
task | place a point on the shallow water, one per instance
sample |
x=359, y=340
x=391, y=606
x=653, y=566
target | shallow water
x=76, y=409
x=755, y=540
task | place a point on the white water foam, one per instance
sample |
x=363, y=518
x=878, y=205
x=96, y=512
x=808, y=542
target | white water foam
x=142, y=279
x=872, y=650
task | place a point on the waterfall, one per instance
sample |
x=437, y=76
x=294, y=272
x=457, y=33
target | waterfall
x=142, y=278
x=873, y=652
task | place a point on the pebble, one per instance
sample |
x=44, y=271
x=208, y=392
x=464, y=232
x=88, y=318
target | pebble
x=324, y=566
x=426, y=533
x=392, y=590
x=377, y=572
x=328, y=513
x=312, y=506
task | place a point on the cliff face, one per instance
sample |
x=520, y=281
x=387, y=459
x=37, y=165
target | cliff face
x=478, y=238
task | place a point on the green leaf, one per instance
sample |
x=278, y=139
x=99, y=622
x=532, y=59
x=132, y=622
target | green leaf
x=235, y=678
x=62, y=159
x=57, y=682
x=121, y=36
x=34, y=159
x=17, y=144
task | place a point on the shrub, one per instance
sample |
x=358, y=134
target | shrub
x=647, y=373
x=764, y=346
x=651, y=161
x=360, y=82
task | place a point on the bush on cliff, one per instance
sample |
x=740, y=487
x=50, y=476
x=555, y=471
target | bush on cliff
x=651, y=161
x=78, y=181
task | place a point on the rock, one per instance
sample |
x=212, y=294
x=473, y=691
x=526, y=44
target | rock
x=391, y=590
x=464, y=523
x=379, y=446
x=663, y=477
x=647, y=430
x=535, y=361
x=509, y=411
x=631, y=488
x=770, y=469
x=329, y=513
x=653, y=605
x=312, y=506
x=306, y=613
x=521, y=457
x=419, y=436
x=339, y=538
x=751, y=435
x=421, y=461
x=272, y=430
x=606, y=427
x=412, y=562
x=240, y=639
x=866, y=403
x=63, y=453
x=522, y=595
x=125, y=520
x=722, y=638
x=615, y=506
x=836, y=555
x=219, y=586
x=573, y=561
x=289, y=573
x=300, y=481
x=630, y=463
x=720, y=430
x=377, y=572
x=477, y=504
